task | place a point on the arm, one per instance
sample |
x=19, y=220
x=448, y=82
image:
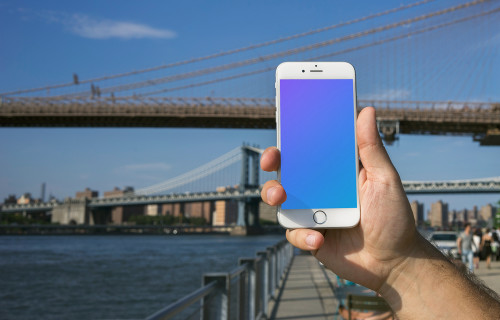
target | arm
x=385, y=252
x=459, y=245
x=429, y=286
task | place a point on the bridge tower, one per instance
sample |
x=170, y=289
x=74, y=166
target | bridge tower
x=248, y=208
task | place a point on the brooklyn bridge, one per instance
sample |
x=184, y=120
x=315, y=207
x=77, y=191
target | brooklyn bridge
x=414, y=69
x=181, y=94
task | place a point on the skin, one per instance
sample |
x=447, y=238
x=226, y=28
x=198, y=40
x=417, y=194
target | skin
x=365, y=315
x=385, y=252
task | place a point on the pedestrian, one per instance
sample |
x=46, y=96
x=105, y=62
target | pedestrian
x=464, y=244
x=486, y=247
x=495, y=246
x=476, y=241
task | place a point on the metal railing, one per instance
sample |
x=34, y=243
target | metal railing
x=243, y=293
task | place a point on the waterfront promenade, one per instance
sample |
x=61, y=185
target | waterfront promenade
x=309, y=291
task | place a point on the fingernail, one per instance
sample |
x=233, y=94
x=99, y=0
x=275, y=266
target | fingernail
x=270, y=193
x=310, y=240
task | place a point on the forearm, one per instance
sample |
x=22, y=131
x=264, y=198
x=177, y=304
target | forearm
x=429, y=286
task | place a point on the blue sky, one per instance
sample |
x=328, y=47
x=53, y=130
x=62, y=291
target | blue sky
x=46, y=42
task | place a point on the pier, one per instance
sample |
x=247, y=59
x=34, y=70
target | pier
x=280, y=283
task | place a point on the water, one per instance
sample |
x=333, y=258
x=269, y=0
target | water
x=110, y=277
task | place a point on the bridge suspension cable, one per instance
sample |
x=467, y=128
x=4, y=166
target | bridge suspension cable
x=285, y=53
x=363, y=46
x=211, y=167
x=224, y=67
x=221, y=54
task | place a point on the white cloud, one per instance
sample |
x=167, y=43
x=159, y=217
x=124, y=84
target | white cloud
x=94, y=28
x=87, y=27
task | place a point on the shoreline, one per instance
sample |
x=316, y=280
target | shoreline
x=50, y=230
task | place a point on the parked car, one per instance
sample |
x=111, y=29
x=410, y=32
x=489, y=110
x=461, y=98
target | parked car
x=446, y=242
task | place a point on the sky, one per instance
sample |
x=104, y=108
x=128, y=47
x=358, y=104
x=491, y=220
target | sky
x=46, y=42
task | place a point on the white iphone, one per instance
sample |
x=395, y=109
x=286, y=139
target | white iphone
x=316, y=133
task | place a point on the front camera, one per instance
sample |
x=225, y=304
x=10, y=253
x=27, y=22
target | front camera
x=303, y=70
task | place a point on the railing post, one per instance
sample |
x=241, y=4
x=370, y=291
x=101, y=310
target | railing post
x=251, y=286
x=280, y=264
x=272, y=270
x=243, y=291
x=217, y=307
x=264, y=288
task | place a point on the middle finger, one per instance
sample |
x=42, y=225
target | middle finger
x=273, y=193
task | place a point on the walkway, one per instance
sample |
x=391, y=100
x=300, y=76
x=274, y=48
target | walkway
x=491, y=277
x=309, y=291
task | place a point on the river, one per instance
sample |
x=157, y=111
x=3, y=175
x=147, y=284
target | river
x=110, y=277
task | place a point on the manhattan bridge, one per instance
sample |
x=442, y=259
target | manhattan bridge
x=417, y=64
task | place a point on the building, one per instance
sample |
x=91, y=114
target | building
x=153, y=210
x=456, y=219
x=472, y=216
x=438, y=215
x=461, y=216
x=25, y=199
x=267, y=213
x=73, y=212
x=204, y=210
x=122, y=214
x=226, y=211
x=87, y=194
x=487, y=215
x=11, y=199
x=172, y=209
x=418, y=212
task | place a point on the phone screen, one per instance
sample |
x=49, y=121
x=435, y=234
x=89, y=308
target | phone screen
x=318, y=150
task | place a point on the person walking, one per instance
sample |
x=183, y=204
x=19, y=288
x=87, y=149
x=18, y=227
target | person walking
x=476, y=239
x=464, y=244
x=495, y=245
x=486, y=247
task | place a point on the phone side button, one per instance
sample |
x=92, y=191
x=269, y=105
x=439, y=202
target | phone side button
x=319, y=217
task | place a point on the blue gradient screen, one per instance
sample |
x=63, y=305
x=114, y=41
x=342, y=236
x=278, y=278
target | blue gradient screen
x=318, y=155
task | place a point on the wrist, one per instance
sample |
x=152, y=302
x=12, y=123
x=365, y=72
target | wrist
x=426, y=285
x=412, y=274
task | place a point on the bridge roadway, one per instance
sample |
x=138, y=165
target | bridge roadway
x=487, y=185
x=482, y=120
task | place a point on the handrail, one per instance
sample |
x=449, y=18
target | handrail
x=237, y=271
x=181, y=304
x=242, y=293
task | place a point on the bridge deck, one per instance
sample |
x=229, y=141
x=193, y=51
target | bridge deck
x=309, y=291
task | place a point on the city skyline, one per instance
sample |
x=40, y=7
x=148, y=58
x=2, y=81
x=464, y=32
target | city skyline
x=71, y=159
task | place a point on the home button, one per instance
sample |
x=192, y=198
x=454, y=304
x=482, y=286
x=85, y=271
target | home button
x=319, y=217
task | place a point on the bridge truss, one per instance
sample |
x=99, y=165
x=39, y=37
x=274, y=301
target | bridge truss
x=481, y=120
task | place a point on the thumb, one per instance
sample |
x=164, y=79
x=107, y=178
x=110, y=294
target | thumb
x=373, y=155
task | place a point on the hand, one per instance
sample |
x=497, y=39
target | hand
x=386, y=234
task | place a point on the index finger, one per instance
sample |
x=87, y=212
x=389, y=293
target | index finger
x=270, y=159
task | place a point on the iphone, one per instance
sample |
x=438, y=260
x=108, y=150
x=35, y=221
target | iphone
x=316, y=134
